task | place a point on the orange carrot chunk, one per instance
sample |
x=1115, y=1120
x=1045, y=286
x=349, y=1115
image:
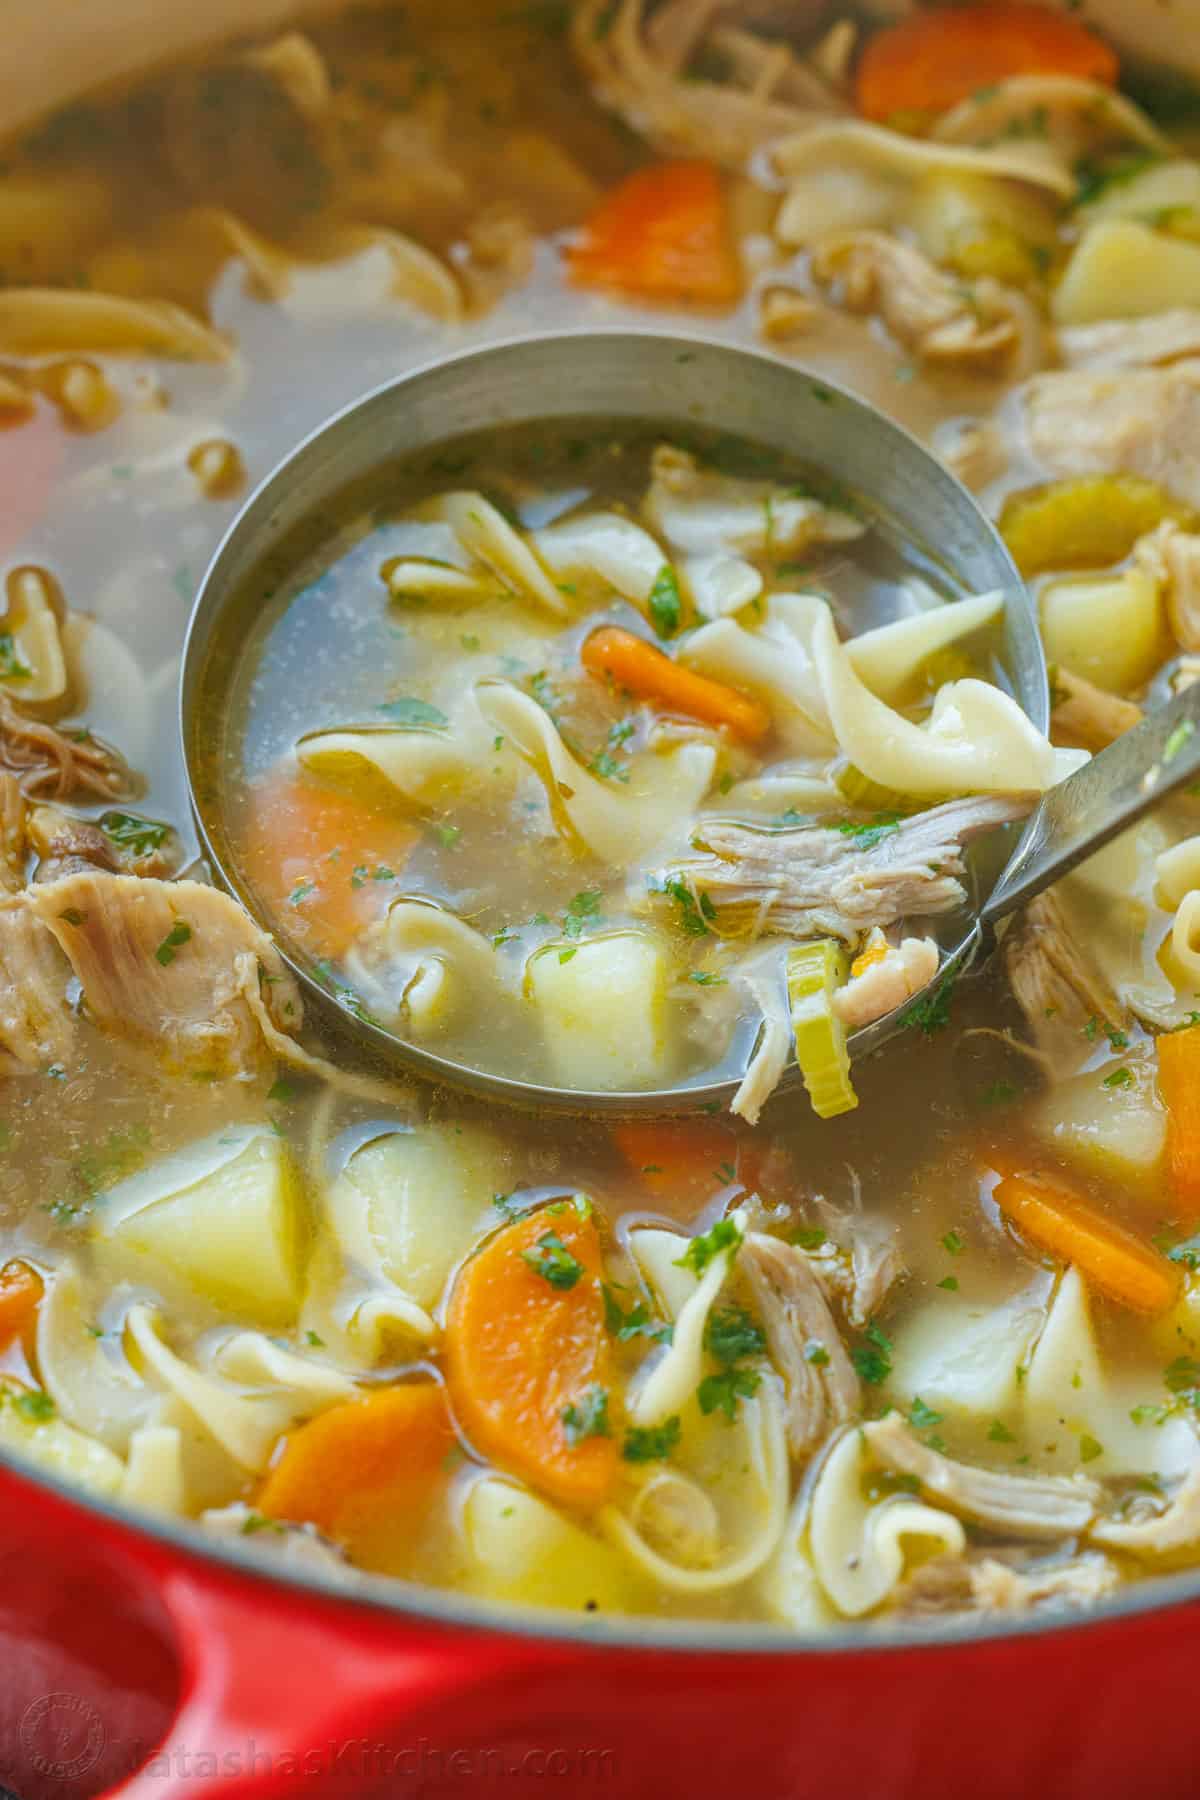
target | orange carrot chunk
x=644, y=671
x=21, y=1289
x=684, y=1163
x=320, y=858
x=1107, y=1256
x=365, y=1470
x=662, y=234
x=930, y=61
x=528, y=1358
x=1179, y=1084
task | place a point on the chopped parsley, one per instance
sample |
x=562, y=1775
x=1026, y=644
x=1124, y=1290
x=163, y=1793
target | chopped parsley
x=551, y=1259
x=446, y=835
x=179, y=934
x=868, y=832
x=11, y=666
x=694, y=915
x=637, y=1322
x=721, y=1393
x=998, y=1093
x=816, y=1354
x=587, y=1417
x=1120, y=1078
x=873, y=1359
x=1187, y=1254
x=582, y=910
x=651, y=1443
x=34, y=1405
x=953, y=1243
x=1089, y=1448
x=128, y=832
x=922, y=1417
x=950, y=1283
x=730, y=1333
x=314, y=1340
x=809, y=1237
x=411, y=711
x=998, y=1433
x=282, y=1091
x=665, y=605
x=605, y=765
x=930, y=1012
x=725, y=1234
x=256, y=1521
x=300, y=892
x=704, y=978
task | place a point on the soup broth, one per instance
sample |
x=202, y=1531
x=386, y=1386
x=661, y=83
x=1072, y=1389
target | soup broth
x=937, y=1357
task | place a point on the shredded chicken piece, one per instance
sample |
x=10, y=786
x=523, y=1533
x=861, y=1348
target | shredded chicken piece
x=50, y=762
x=1056, y=985
x=1176, y=1527
x=166, y=964
x=36, y=1026
x=814, y=881
x=1084, y=715
x=1172, y=556
x=1113, y=344
x=1138, y=422
x=641, y=70
x=927, y=310
x=765, y=985
x=14, y=843
x=1021, y=1506
x=797, y=1320
x=902, y=971
x=862, y=1261
x=991, y=1582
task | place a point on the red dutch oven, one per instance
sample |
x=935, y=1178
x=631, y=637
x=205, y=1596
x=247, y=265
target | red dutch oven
x=136, y=1663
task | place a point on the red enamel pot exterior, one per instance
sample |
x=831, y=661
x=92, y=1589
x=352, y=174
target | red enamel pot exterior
x=134, y=1669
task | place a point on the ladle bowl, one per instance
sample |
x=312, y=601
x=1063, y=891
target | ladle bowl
x=636, y=376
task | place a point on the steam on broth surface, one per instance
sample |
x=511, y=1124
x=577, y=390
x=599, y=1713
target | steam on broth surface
x=619, y=1368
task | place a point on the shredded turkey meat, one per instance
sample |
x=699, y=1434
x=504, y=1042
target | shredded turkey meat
x=57, y=764
x=815, y=881
x=925, y=309
x=1056, y=985
x=651, y=70
x=1019, y=1506
x=1084, y=715
x=821, y=1393
x=1156, y=1533
x=861, y=1261
x=37, y=1029
x=996, y=1581
x=1138, y=422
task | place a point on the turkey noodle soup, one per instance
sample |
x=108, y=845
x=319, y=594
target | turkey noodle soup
x=938, y=1358
x=590, y=790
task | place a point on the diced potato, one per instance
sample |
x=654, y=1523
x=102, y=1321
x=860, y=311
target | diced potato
x=1117, y=1132
x=604, y=1009
x=521, y=1549
x=1123, y=270
x=963, y=1358
x=1177, y=1333
x=1108, y=629
x=415, y=1201
x=236, y=1234
x=30, y=1427
x=1088, y=522
x=982, y=226
x=1160, y=188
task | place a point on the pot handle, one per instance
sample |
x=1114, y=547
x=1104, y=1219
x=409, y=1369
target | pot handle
x=275, y=1690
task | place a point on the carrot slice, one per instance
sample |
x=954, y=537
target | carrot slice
x=21, y=1289
x=684, y=1163
x=320, y=858
x=643, y=670
x=366, y=1470
x=525, y=1341
x=1106, y=1255
x=1179, y=1084
x=930, y=61
x=662, y=234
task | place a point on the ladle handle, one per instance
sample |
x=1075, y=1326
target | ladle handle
x=1112, y=791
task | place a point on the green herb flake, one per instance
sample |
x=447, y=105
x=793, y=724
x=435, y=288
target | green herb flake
x=582, y=910
x=413, y=712
x=665, y=605
x=1120, y=1078
x=704, y=978
x=255, y=1522
x=922, y=1417
x=816, y=1354
x=34, y=1405
x=281, y=1091
x=11, y=666
x=721, y=1393
x=730, y=1334
x=693, y=914
x=129, y=832
x=446, y=835
x=605, y=765
x=873, y=1360
x=651, y=1443
x=953, y=1243
x=1089, y=1448
x=725, y=1235
x=867, y=832
x=179, y=934
x=314, y=1340
x=950, y=1283
x=637, y=1322
x=930, y=1012
x=301, y=892
x=809, y=1237
x=998, y=1433
x=551, y=1259
x=587, y=1417
x=998, y=1093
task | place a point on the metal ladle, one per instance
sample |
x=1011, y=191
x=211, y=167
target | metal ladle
x=638, y=378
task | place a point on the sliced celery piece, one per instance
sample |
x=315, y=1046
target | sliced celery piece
x=814, y=971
